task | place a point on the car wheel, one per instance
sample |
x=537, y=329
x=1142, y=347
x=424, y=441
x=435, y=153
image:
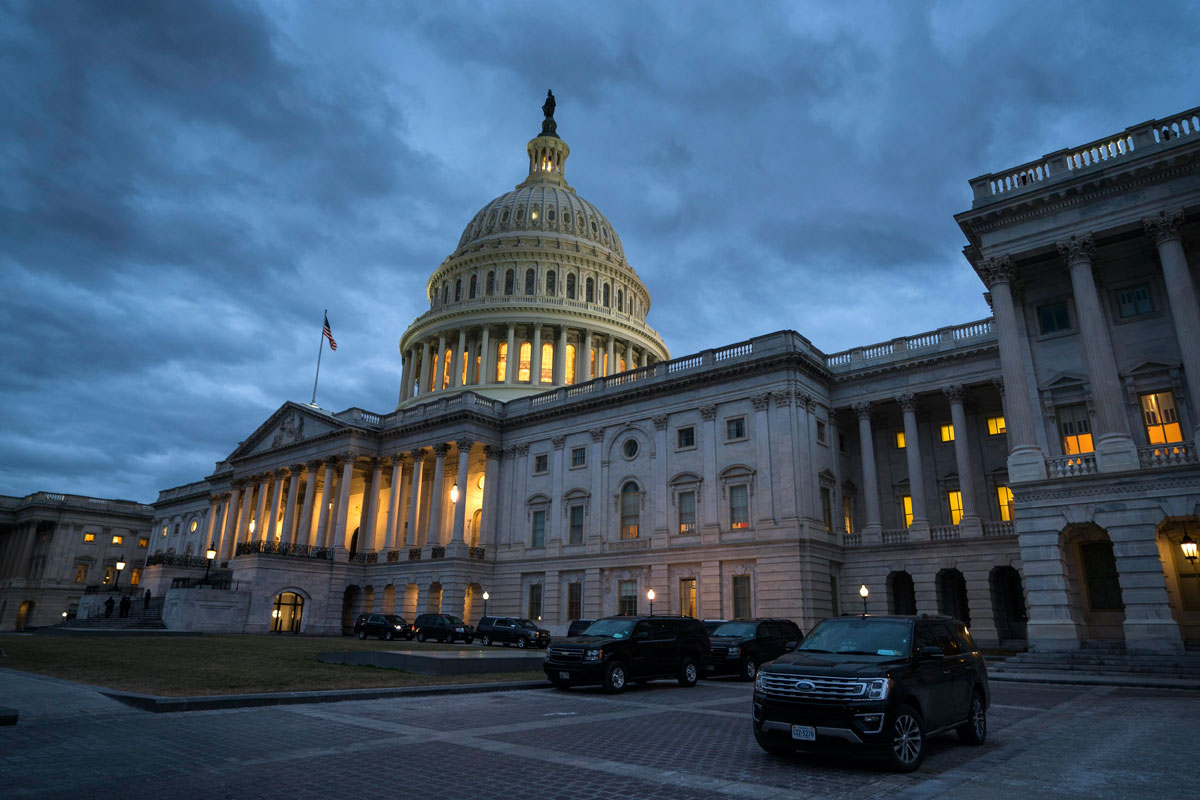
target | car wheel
x=469, y=639
x=770, y=746
x=974, y=730
x=749, y=668
x=521, y=642
x=390, y=635
x=421, y=636
x=362, y=634
x=907, y=749
x=614, y=677
x=486, y=641
x=689, y=673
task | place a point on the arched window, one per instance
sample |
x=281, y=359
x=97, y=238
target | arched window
x=569, y=366
x=620, y=300
x=445, y=293
x=547, y=363
x=471, y=292
x=570, y=287
x=501, y=361
x=590, y=291
x=631, y=503
x=446, y=368
x=607, y=297
x=458, y=291
x=509, y=278
x=551, y=289
x=287, y=613
x=530, y=281
x=491, y=284
x=523, y=365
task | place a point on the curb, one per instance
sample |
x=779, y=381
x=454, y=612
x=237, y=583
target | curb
x=164, y=705
x=1097, y=680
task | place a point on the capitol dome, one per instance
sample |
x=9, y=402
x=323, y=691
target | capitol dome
x=537, y=295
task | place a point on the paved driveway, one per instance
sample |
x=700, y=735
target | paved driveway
x=658, y=741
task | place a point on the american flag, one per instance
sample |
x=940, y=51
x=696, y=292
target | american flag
x=328, y=334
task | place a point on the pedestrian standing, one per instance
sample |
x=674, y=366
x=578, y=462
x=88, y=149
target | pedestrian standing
x=125, y=604
x=146, y=601
x=108, y=607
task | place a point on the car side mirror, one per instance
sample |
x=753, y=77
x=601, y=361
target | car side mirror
x=930, y=653
x=790, y=646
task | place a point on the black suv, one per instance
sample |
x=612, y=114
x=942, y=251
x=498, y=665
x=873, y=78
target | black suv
x=740, y=645
x=616, y=650
x=511, y=630
x=385, y=626
x=885, y=683
x=443, y=627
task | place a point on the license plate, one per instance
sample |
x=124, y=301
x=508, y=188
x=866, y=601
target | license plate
x=566, y=676
x=805, y=733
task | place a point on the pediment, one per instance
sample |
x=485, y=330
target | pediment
x=289, y=425
x=1067, y=380
x=1151, y=367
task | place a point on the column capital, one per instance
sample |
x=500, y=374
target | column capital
x=1164, y=226
x=419, y=455
x=907, y=401
x=999, y=384
x=954, y=393
x=761, y=401
x=708, y=413
x=862, y=409
x=440, y=449
x=558, y=442
x=332, y=461
x=313, y=465
x=1077, y=248
x=597, y=434
x=492, y=451
x=996, y=270
x=282, y=473
x=660, y=421
x=297, y=469
x=464, y=444
x=215, y=498
x=782, y=398
x=523, y=449
x=508, y=453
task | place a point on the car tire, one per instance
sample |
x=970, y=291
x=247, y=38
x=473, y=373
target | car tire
x=689, y=672
x=974, y=730
x=770, y=746
x=561, y=684
x=749, y=668
x=362, y=634
x=486, y=641
x=390, y=635
x=615, y=677
x=906, y=749
x=521, y=642
x=469, y=639
x=421, y=636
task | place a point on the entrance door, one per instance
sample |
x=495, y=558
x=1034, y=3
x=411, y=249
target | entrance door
x=24, y=612
x=687, y=597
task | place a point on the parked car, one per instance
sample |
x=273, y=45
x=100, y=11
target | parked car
x=385, y=626
x=511, y=630
x=443, y=627
x=883, y=684
x=578, y=626
x=616, y=650
x=711, y=625
x=741, y=645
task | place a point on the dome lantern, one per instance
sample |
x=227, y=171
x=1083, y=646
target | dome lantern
x=547, y=153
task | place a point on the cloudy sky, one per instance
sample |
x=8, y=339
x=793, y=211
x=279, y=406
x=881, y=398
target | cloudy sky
x=184, y=187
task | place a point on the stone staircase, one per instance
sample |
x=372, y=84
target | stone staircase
x=1105, y=664
x=140, y=618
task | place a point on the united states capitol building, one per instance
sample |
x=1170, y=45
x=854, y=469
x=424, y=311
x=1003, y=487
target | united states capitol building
x=1033, y=473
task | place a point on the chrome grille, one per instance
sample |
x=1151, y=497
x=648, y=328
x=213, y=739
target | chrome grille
x=566, y=654
x=812, y=686
x=719, y=651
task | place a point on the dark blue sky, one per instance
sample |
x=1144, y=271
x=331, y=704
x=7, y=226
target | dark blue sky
x=185, y=186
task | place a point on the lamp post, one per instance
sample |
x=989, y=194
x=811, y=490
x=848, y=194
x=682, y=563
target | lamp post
x=210, y=554
x=454, y=493
x=650, y=597
x=485, y=599
x=1188, y=546
x=863, y=592
x=116, y=580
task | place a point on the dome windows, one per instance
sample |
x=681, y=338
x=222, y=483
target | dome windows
x=550, y=215
x=471, y=293
x=509, y=278
x=590, y=291
x=520, y=214
x=458, y=291
x=607, y=297
x=570, y=287
x=620, y=300
x=567, y=217
x=530, y=281
x=551, y=288
x=504, y=216
x=491, y=284
x=593, y=227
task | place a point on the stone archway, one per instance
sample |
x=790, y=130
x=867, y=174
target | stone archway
x=433, y=599
x=389, y=599
x=952, y=595
x=24, y=614
x=1008, y=605
x=1182, y=575
x=902, y=594
x=350, y=601
x=1094, y=585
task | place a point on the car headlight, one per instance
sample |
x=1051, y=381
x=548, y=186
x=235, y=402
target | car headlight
x=458, y=630
x=733, y=652
x=759, y=685
x=593, y=655
x=877, y=688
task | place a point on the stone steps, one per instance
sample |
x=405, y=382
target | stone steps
x=1111, y=665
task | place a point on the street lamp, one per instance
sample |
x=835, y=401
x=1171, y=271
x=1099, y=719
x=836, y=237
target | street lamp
x=650, y=597
x=210, y=554
x=1188, y=545
x=863, y=592
x=454, y=493
x=116, y=580
x=485, y=599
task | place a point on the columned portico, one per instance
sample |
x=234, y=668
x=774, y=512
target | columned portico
x=866, y=443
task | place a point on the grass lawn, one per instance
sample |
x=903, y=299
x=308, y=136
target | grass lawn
x=218, y=664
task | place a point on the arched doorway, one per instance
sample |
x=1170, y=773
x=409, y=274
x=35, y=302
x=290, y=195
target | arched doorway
x=952, y=595
x=24, y=614
x=288, y=613
x=354, y=544
x=1095, y=586
x=349, y=609
x=1182, y=575
x=902, y=595
x=476, y=521
x=1008, y=604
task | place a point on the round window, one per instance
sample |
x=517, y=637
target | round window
x=630, y=448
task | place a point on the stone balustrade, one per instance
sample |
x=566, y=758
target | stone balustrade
x=970, y=334
x=1071, y=466
x=1156, y=456
x=999, y=529
x=944, y=533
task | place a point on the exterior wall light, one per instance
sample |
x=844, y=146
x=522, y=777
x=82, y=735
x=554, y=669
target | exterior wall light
x=454, y=493
x=252, y=526
x=863, y=592
x=485, y=599
x=1188, y=546
x=650, y=597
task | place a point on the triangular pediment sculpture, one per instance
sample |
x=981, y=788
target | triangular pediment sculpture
x=291, y=424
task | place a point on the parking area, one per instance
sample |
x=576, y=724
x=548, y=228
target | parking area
x=659, y=741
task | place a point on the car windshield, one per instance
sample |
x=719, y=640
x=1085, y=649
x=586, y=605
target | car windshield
x=711, y=625
x=741, y=630
x=395, y=620
x=454, y=620
x=877, y=637
x=615, y=628
x=526, y=623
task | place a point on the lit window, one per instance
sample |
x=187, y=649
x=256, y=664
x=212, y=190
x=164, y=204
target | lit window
x=89, y=537
x=576, y=532
x=827, y=508
x=1054, y=318
x=735, y=428
x=164, y=530
x=541, y=464
x=446, y=368
x=1076, y=429
x=501, y=361
x=631, y=507
x=996, y=426
x=685, y=437
x=547, y=362
x=906, y=505
x=81, y=571
x=947, y=433
x=899, y=440
x=143, y=542
x=1005, y=496
x=687, y=512
x=848, y=513
x=135, y=576
x=535, y=601
x=739, y=507
x=118, y=539
x=1162, y=421
x=742, y=608
x=578, y=456
x=569, y=376
x=1134, y=301
x=523, y=364
x=954, y=499
x=538, y=533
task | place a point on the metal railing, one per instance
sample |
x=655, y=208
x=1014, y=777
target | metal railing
x=282, y=549
x=175, y=560
x=220, y=581
x=476, y=553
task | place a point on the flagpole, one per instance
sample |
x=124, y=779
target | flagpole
x=320, y=347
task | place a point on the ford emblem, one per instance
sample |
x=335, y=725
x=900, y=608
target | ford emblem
x=805, y=686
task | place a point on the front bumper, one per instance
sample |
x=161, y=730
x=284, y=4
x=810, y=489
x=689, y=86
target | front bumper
x=857, y=723
x=575, y=673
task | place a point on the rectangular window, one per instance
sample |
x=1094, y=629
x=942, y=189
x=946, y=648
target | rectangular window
x=687, y=512
x=906, y=507
x=685, y=438
x=954, y=500
x=735, y=428
x=827, y=508
x=578, y=456
x=118, y=539
x=135, y=576
x=1054, y=318
x=574, y=601
x=538, y=535
x=143, y=542
x=947, y=433
x=89, y=537
x=1005, y=498
x=742, y=607
x=996, y=426
x=627, y=598
x=739, y=507
x=535, y=601
x=576, y=532
x=687, y=597
x=821, y=431
x=1134, y=301
x=541, y=464
x=81, y=571
x=848, y=513
x=1076, y=429
x=900, y=443
x=1162, y=421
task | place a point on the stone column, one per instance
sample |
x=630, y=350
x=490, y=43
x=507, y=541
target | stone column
x=916, y=478
x=393, y=513
x=486, y=366
x=535, y=357
x=214, y=502
x=288, y=535
x=1026, y=462
x=764, y=497
x=610, y=367
x=460, y=359
x=273, y=509
x=245, y=515
x=230, y=534
x=866, y=444
x=414, y=495
x=586, y=370
x=304, y=533
x=708, y=441
x=971, y=523
x=560, y=357
x=1181, y=294
x=1115, y=450
x=491, y=479
x=460, y=508
x=341, y=536
x=512, y=359
x=660, y=499
x=425, y=373
x=645, y=358
x=434, y=529
x=366, y=536
x=629, y=363
x=326, y=500
x=264, y=486
x=439, y=363
x=406, y=375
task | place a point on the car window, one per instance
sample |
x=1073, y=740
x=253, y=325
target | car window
x=945, y=641
x=964, y=637
x=924, y=638
x=662, y=630
x=616, y=628
x=860, y=636
x=742, y=630
x=642, y=630
x=527, y=624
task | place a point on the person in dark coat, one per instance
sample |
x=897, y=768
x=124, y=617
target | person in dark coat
x=108, y=607
x=125, y=604
x=146, y=601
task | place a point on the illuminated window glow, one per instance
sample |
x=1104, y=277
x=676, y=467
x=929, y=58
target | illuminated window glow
x=739, y=507
x=947, y=433
x=1161, y=419
x=1076, y=429
x=446, y=368
x=899, y=440
x=143, y=541
x=631, y=507
x=906, y=504
x=996, y=426
x=89, y=537
x=569, y=377
x=848, y=513
x=547, y=363
x=501, y=361
x=954, y=499
x=118, y=539
x=523, y=364
x=1005, y=496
